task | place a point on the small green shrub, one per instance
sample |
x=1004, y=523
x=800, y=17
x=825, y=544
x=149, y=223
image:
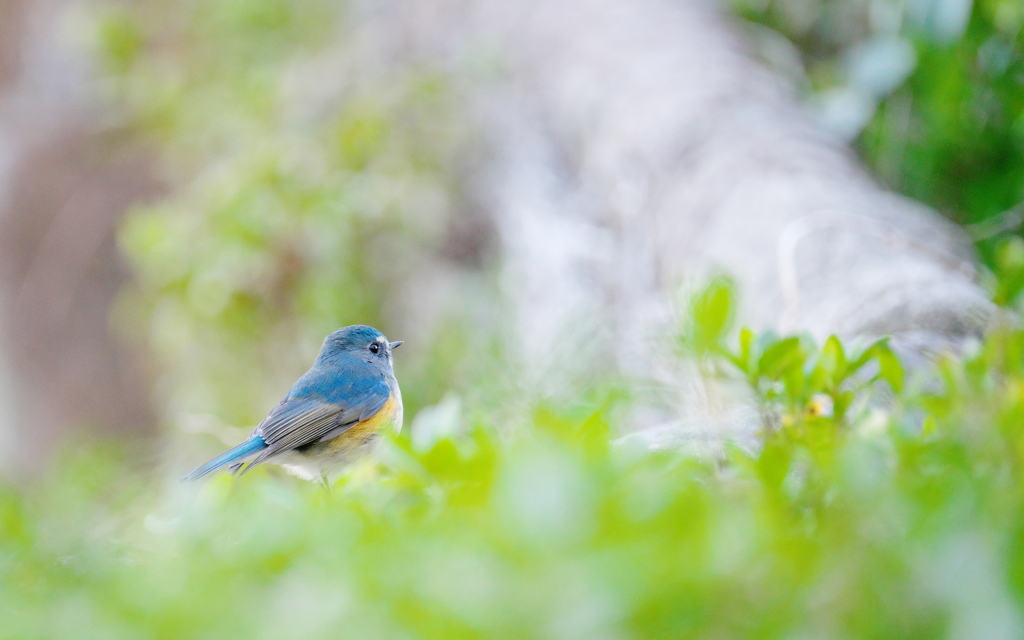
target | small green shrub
x=891, y=515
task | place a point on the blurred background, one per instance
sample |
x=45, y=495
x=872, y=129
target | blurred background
x=535, y=196
x=194, y=194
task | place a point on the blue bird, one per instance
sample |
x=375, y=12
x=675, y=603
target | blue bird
x=331, y=416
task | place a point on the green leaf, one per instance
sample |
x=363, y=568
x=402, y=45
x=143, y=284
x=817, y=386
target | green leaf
x=779, y=357
x=867, y=355
x=746, y=348
x=712, y=311
x=890, y=368
x=833, y=359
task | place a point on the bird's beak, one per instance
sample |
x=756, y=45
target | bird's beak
x=395, y=344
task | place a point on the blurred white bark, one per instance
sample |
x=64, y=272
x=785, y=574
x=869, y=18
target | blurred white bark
x=638, y=146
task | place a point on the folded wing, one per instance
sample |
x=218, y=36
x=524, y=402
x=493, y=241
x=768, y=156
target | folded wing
x=297, y=422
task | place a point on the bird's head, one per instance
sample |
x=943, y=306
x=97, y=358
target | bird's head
x=361, y=341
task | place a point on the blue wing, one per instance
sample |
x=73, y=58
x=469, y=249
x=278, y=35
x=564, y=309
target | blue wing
x=300, y=421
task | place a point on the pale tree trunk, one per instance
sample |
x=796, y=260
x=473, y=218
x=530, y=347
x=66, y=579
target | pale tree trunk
x=661, y=141
x=637, y=147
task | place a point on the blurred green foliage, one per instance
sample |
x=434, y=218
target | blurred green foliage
x=931, y=92
x=303, y=190
x=882, y=515
x=304, y=193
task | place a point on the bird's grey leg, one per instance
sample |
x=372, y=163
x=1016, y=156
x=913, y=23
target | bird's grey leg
x=326, y=484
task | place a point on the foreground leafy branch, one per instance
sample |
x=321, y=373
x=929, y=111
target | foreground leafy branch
x=895, y=519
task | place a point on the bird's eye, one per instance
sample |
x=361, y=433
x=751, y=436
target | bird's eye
x=374, y=348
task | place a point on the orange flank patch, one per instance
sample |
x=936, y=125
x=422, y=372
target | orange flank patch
x=363, y=430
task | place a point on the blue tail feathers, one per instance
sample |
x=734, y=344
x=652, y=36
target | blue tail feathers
x=247, y=448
